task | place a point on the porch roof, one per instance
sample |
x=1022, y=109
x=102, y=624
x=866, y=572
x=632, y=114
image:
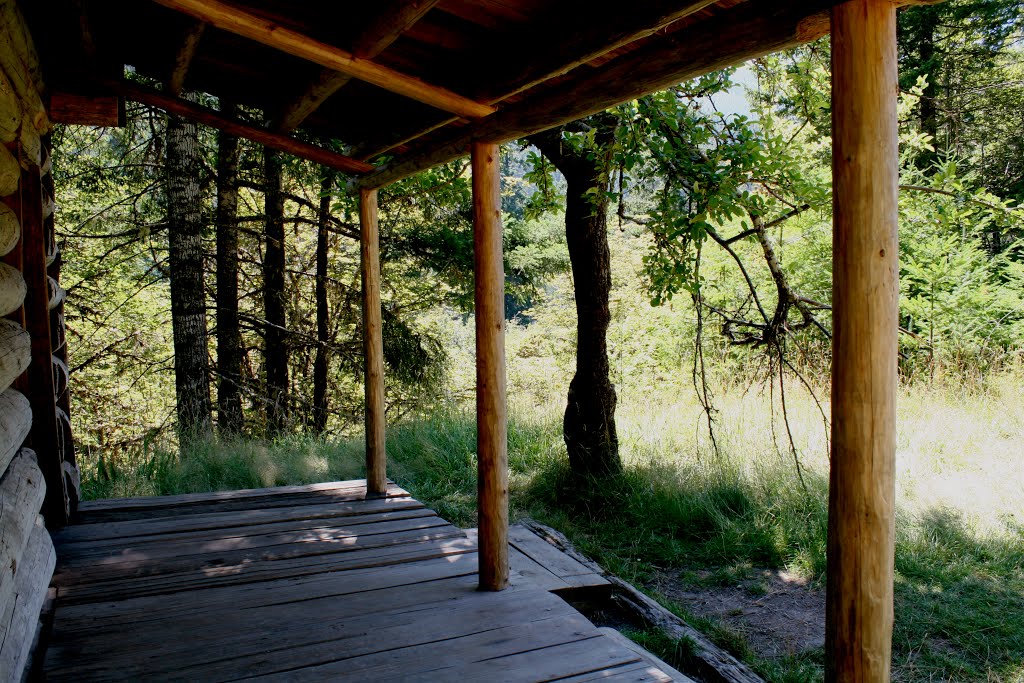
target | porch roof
x=404, y=84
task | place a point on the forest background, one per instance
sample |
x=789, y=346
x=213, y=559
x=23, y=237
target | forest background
x=718, y=226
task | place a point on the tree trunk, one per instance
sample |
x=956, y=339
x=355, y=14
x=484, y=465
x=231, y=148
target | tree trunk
x=229, y=339
x=322, y=331
x=589, y=425
x=930, y=67
x=188, y=297
x=275, y=337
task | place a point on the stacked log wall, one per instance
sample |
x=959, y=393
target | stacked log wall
x=37, y=471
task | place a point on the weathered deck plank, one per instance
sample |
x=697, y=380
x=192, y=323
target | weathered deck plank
x=284, y=585
x=216, y=521
x=120, y=509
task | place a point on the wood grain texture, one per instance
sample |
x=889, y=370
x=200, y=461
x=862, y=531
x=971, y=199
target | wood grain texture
x=21, y=495
x=15, y=352
x=15, y=424
x=20, y=63
x=183, y=59
x=865, y=291
x=10, y=172
x=557, y=51
x=732, y=36
x=60, y=377
x=40, y=324
x=114, y=532
x=57, y=294
x=230, y=18
x=30, y=145
x=20, y=618
x=389, y=22
x=373, y=344
x=401, y=606
x=10, y=229
x=86, y=110
x=492, y=425
x=12, y=289
x=10, y=110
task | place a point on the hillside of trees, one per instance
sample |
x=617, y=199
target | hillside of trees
x=731, y=212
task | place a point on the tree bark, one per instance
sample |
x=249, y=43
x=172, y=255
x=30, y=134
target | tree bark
x=589, y=424
x=275, y=337
x=865, y=326
x=929, y=97
x=229, y=338
x=188, y=296
x=322, y=317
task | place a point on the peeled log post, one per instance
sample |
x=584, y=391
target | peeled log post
x=373, y=345
x=12, y=289
x=15, y=352
x=15, y=424
x=21, y=495
x=859, y=613
x=492, y=431
x=10, y=230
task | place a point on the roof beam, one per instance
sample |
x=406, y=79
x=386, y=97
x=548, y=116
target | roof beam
x=746, y=31
x=183, y=60
x=319, y=91
x=557, y=54
x=593, y=36
x=395, y=18
x=209, y=117
x=235, y=20
x=388, y=25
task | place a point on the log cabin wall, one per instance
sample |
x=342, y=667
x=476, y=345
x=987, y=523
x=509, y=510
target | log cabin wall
x=38, y=478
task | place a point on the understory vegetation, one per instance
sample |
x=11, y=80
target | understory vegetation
x=960, y=547
x=711, y=519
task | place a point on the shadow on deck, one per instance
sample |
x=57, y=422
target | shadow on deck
x=311, y=583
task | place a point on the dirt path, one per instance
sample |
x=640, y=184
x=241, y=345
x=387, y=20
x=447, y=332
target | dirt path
x=776, y=613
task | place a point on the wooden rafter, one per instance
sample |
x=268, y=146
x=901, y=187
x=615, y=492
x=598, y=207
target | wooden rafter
x=744, y=32
x=85, y=32
x=388, y=24
x=209, y=117
x=235, y=20
x=556, y=54
x=390, y=21
x=593, y=36
x=183, y=60
x=319, y=91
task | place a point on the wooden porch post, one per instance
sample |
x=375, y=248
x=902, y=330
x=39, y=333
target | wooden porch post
x=865, y=325
x=492, y=442
x=373, y=345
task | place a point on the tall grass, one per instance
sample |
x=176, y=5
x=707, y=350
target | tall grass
x=679, y=504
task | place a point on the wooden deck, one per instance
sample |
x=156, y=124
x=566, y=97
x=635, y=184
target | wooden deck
x=311, y=583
